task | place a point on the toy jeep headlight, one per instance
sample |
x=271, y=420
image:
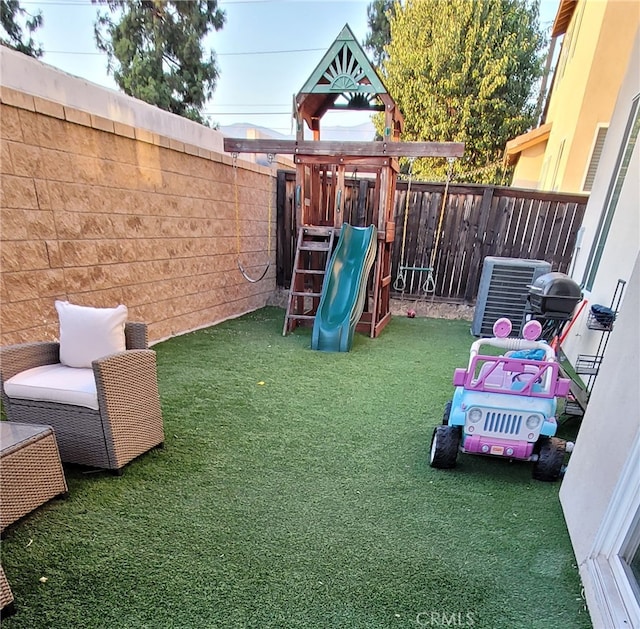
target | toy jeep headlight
x=533, y=421
x=474, y=415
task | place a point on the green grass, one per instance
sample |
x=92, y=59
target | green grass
x=304, y=502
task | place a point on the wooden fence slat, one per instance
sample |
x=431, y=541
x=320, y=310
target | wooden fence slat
x=361, y=208
x=531, y=228
x=466, y=246
x=453, y=246
x=516, y=247
x=502, y=225
x=433, y=202
x=569, y=239
x=538, y=233
x=480, y=221
x=554, y=234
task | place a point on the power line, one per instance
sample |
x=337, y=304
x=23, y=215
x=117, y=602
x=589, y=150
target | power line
x=218, y=54
x=269, y=52
x=247, y=113
x=88, y=3
x=251, y=105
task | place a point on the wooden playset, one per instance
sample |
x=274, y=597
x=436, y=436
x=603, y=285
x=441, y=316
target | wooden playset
x=343, y=80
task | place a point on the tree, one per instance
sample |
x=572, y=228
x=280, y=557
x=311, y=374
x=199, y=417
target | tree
x=464, y=71
x=379, y=35
x=12, y=33
x=156, y=54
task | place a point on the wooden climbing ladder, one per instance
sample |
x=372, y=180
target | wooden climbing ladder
x=310, y=264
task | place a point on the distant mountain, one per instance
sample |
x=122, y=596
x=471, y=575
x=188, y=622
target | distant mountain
x=359, y=133
x=364, y=132
x=240, y=129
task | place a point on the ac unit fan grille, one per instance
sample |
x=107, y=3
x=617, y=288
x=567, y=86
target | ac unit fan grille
x=503, y=291
x=506, y=296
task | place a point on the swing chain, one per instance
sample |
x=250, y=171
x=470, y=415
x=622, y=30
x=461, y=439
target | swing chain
x=270, y=157
x=401, y=280
x=234, y=157
x=429, y=285
x=436, y=242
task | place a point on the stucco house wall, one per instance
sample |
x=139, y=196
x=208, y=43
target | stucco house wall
x=604, y=448
x=623, y=241
x=103, y=205
x=595, y=52
x=529, y=166
x=601, y=38
x=600, y=494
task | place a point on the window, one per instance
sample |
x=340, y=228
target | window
x=554, y=180
x=631, y=558
x=615, y=551
x=576, y=28
x=569, y=40
x=601, y=134
x=613, y=194
x=543, y=174
x=564, y=53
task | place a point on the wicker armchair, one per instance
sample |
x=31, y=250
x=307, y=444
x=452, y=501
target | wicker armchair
x=128, y=421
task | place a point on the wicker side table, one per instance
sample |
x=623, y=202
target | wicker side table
x=30, y=470
x=6, y=596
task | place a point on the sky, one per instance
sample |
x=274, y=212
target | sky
x=266, y=51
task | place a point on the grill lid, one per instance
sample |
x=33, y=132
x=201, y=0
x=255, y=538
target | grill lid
x=555, y=285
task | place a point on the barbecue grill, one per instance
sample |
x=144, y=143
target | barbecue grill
x=551, y=300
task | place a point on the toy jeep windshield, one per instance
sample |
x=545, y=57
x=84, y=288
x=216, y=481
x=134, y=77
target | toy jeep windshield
x=505, y=406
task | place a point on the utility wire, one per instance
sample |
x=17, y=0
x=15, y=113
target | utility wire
x=247, y=113
x=218, y=54
x=88, y=3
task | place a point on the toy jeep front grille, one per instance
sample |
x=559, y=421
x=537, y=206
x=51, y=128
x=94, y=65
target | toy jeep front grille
x=496, y=424
x=502, y=423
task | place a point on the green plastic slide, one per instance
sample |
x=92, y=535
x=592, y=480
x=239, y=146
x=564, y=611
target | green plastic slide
x=344, y=291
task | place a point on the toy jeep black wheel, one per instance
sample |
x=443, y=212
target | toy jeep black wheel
x=444, y=447
x=548, y=467
x=447, y=412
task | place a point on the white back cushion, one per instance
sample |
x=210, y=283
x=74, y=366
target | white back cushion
x=87, y=333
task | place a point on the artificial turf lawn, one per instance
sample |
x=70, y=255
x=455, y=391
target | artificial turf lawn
x=294, y=491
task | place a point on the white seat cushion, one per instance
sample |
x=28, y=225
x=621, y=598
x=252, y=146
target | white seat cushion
x=55, y=383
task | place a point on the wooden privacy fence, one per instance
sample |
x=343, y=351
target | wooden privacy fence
x=478, y=221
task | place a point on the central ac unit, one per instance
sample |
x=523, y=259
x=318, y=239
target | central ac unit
x=503, y=291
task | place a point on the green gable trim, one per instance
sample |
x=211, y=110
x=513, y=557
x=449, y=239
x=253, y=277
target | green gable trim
x=344, y=68
x=342, y=85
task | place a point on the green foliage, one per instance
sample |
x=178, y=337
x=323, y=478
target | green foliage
x=464, y=71
x=379, y=35
x=12, y=32
x=156, y=51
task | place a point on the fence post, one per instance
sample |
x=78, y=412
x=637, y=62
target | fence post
x=361, y=213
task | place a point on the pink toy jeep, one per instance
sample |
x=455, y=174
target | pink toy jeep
x=505, y=405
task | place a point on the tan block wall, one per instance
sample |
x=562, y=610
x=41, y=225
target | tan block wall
x=101, y=213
